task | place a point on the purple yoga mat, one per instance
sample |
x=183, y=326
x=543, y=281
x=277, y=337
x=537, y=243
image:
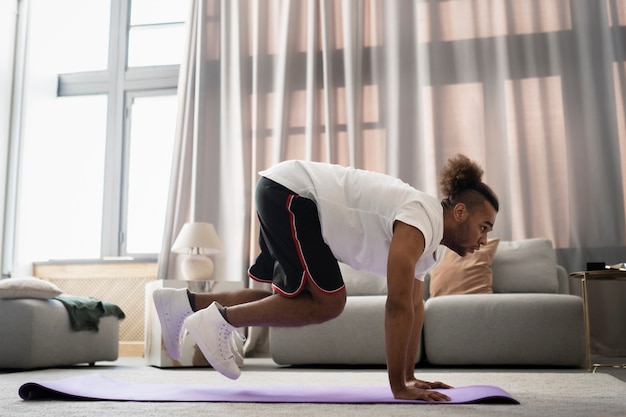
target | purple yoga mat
x=98, y=387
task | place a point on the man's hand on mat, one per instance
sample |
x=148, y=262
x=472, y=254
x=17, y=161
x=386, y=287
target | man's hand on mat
x=418, y=383
x=412, y=393
x=417, y=389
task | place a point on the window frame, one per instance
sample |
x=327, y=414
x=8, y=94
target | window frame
x=120, y=84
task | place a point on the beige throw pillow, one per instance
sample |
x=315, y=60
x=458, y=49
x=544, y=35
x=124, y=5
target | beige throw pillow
x=470, y=274
x=28, y=287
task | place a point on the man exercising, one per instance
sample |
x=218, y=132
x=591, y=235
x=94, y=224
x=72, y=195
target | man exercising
x=313, y=215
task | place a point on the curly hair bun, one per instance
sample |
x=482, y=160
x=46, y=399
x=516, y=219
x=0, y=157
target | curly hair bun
x=459, y=174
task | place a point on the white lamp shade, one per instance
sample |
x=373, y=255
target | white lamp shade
x=199, y=238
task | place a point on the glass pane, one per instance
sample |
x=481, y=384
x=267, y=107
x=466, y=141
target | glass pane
x=70, y=35
x=153, y=124
x=156, y=45
x=148, y=12
x=62, y=178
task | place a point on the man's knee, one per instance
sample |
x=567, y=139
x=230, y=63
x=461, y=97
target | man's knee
x=330, y=306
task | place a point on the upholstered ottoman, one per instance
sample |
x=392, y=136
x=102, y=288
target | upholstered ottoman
x=36, y=331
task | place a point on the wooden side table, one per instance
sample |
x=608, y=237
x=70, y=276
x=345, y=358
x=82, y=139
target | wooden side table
x=601, y=275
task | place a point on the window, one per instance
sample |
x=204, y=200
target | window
x=149, y=160
x=100, y=123
x=156, y=33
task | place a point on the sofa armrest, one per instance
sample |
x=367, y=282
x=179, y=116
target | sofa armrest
x=563, y=278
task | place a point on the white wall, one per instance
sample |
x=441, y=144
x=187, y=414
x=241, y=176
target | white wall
x=8, y=21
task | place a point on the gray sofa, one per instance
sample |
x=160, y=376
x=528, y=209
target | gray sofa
x=531, y=319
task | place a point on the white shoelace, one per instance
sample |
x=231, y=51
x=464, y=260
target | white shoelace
x=228, y=343
x=180, y=327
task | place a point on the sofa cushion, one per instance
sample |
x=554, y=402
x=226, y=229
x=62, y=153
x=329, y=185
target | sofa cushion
x=356, y=337
x=470, y=274
x=504, y=329
x=525, y=266
x=362, y=283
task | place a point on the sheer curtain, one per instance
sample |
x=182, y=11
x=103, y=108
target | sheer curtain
x=532, y=90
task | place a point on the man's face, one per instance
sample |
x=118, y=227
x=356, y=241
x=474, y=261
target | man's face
x=472, y=228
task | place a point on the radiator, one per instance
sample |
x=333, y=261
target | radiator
x=119, y=282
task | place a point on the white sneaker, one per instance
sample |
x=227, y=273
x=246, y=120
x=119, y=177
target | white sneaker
x=172, y=307
x=216, y=339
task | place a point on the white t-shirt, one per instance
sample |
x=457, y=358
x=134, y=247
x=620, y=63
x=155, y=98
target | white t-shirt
x=357, y=210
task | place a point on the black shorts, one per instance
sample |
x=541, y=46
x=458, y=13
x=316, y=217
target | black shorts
x=293, y=250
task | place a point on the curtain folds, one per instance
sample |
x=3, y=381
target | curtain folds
x=534, y=91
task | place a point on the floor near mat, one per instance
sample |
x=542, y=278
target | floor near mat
x=99, y=387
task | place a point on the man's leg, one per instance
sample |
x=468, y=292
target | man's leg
x=308, y=284
x=212, y=328
x=256, y=307
x=230, y=298
x=173, y=306
x=309, y=307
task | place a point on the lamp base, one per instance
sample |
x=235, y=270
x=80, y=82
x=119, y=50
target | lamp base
x=196, y=267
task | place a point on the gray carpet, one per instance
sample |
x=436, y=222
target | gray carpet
x=544, y=392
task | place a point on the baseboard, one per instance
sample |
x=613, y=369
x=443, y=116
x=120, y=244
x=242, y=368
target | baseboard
x=131, y=349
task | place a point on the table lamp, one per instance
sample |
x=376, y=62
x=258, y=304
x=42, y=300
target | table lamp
x=194, y=244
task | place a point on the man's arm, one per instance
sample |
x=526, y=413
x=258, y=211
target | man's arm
x=407, y=245
x=414, y=341
x=416, y=331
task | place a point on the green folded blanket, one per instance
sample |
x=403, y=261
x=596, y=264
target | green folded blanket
x=85, y=312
